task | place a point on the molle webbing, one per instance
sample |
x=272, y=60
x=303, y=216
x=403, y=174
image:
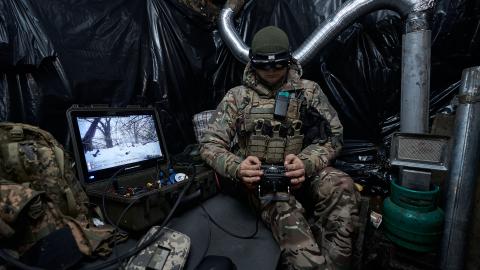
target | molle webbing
x=266, y=138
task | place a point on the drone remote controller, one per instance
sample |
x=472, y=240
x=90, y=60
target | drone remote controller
x=273, y=180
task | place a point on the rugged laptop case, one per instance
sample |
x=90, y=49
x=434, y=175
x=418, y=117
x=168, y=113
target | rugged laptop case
x=141, y=210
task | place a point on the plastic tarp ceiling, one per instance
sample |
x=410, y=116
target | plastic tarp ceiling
x=57, y=53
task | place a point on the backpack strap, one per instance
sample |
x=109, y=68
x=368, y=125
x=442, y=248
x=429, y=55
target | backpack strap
x=59, y=156
x=37, y=211
x=71, y=202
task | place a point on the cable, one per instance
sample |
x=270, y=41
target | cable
x=217, y=181
x=110, y=181
x=155, y=237
x=230, y=233
x=208, y=243
x=125, y=210
x=160, y=174
x=15, y=262
x=209, y=239
x=233, y=234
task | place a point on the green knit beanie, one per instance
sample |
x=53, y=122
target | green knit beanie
x=270, y=40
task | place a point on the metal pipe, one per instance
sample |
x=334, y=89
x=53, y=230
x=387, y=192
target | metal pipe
x=415, y=83
x=416, y=43
x=229, y=35
x=325, y=32
x=341, y=19
x=465, y=157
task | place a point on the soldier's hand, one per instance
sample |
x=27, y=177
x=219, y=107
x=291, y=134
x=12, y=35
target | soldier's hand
x=249, y=172
x=295, y=170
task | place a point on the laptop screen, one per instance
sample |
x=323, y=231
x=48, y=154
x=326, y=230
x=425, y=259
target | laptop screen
x=109, y=140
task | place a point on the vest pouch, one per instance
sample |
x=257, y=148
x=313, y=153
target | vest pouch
x=294, y=141
x=294, y=144
x=257, y=145
x=294, y=109
x=275, y=150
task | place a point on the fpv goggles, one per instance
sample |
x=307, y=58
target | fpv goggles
x=270, y=61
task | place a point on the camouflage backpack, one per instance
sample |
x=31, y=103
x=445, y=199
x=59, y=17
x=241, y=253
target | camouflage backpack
x=37, y=184
x=32, y=155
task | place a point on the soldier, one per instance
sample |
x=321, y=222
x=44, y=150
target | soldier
x=268, y=120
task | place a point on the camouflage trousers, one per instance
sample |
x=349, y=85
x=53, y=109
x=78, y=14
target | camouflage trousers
x=325, y=244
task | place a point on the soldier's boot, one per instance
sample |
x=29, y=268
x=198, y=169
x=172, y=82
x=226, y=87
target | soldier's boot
x=335, y=214
x=290, y=229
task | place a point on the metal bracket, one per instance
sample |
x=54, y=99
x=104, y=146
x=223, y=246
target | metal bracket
x=468, y=98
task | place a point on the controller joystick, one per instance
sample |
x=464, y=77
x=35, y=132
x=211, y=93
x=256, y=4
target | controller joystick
x=162, y=179
x=273, y=181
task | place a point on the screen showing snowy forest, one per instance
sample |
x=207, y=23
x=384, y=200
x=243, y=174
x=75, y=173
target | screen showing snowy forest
x=115, y=141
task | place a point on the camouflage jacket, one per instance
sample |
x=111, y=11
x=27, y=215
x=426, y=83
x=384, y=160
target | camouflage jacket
x=217, y=144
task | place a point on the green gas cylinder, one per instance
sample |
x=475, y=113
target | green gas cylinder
x=412, y=219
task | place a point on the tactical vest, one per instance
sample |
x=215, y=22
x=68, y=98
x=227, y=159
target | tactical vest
x=267, y=138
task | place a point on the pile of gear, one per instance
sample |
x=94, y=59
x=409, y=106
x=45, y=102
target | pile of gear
x=42, y=204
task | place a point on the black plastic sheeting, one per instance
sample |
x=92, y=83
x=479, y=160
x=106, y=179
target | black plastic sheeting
x=183, y=54
x=360, y=71
x=23, y=47
x=55, y=53
x=22, y=40
x=116, y=52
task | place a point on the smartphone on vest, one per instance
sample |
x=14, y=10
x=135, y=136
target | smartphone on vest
x=281, y=105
